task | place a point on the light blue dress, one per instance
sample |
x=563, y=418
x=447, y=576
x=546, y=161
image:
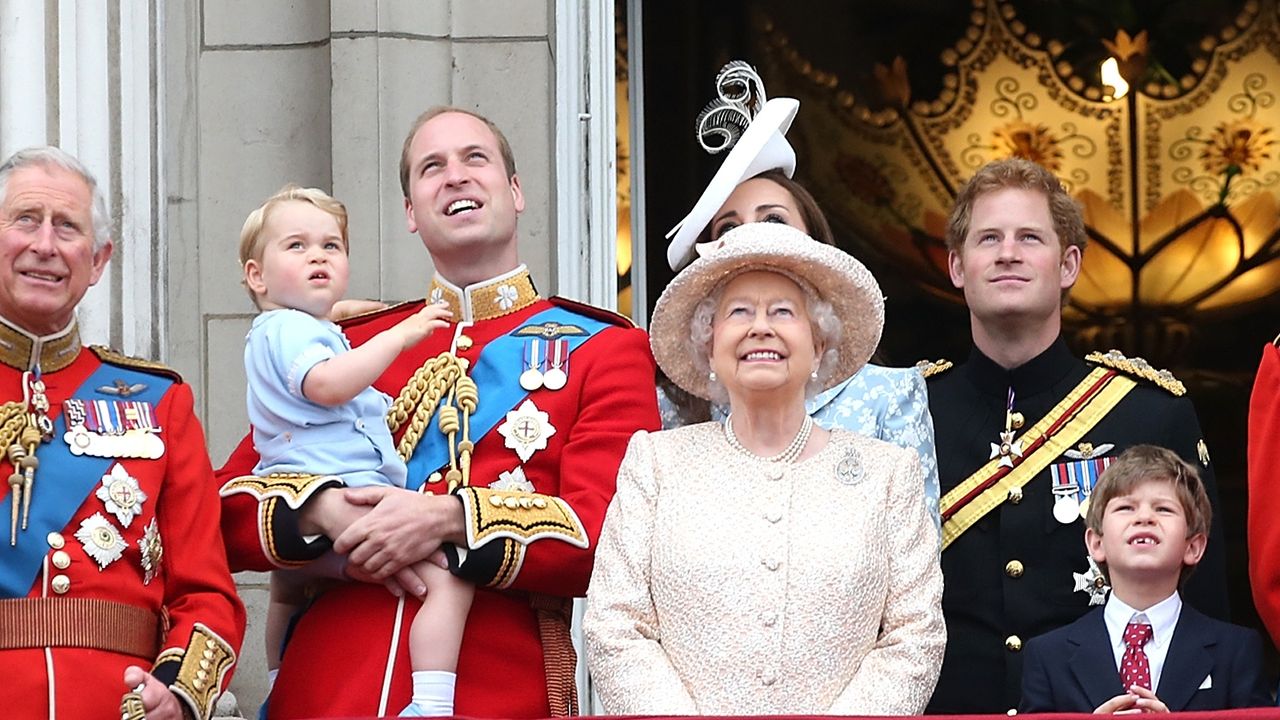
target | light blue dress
x=294, y=434
x=889, y=404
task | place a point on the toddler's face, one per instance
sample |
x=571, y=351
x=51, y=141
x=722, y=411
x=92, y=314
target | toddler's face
x=304, y=262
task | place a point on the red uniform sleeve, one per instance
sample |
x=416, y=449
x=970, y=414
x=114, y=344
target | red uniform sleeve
x=205, y=618
x=261, y=531
x=1264, y=490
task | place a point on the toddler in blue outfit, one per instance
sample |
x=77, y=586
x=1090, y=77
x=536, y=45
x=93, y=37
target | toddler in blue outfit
x=313, y=410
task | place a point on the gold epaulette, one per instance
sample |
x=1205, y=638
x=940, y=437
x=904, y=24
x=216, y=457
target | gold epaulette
x=1139, y=368
x=929, y=368
x=111, y=357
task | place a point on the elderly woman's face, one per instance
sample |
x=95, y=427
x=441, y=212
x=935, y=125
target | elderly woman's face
x=757, y=200
x=761, y=338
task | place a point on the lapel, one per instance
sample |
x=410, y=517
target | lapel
x=1091, y=659
x=1188, y=661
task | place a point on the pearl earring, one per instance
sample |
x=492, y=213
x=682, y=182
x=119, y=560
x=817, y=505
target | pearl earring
x=813, y=375
x=711, y=376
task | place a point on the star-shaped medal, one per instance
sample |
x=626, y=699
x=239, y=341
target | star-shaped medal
x=526, y=430
x=1007, y=450
x=121, y=494
x=152, y=552
x=101, y=540
x=1093, y=582
x=513, y=481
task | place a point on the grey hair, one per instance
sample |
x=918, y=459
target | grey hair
x=826, y=327
x=47, y=156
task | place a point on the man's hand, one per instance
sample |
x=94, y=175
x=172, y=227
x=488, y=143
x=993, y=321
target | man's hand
x=403, y=527
x=157, y=699
x=1137, y=700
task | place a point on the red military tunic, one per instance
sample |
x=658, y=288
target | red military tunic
x=172, y=605
x=1264, y=490
x=353, y=640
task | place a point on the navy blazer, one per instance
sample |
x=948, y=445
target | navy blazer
x=1073, y=668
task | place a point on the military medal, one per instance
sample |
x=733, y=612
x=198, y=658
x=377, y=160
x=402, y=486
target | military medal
x=513, y=481
x=1008, y=448
x=526, y=430
x=1073, y=481
x=1093, y=583
x=112, y=429
x=101, y=540
x=558, y=365
x=152, y=552
x=121, y=494
x=532, y=379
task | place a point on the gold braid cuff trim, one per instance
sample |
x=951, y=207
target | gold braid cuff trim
x=204, y=667
x=519, y=516
x=512, y=561
x=1099, y=392
x=294, y=488
x=1139, y=368
x=929, y=368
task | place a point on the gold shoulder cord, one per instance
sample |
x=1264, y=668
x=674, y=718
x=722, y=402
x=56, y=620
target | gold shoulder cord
x=441, y=382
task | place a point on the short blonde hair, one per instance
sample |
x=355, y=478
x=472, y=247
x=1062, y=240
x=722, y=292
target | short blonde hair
x=1142, y=464
x=252, y=242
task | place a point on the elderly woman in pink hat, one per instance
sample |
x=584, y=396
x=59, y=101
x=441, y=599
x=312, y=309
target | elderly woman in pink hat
x=764, y=565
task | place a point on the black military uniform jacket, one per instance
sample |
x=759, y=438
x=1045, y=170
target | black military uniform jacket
x=1009, y=577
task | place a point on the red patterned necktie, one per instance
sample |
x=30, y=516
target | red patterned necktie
x=1134, y=668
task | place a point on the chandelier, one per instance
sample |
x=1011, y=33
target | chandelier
x=1178, y=176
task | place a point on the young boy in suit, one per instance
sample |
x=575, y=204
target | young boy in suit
x=1144, y=650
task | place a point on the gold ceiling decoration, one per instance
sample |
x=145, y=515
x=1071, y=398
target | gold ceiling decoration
x=1178, y=177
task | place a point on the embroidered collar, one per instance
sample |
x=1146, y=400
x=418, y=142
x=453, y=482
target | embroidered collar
x=21, y=350
x=502, y=295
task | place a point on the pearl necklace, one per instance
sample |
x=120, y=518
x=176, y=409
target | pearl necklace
x=789, y=455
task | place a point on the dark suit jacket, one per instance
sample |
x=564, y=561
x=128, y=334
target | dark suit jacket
x=1073, y=669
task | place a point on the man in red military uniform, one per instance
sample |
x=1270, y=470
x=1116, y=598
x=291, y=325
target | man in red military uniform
x=513, y=420
x=1264, y=481
x=112, y=576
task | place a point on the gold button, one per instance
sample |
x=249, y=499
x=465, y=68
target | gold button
x=1013, y=569
x=1015, y=495
x=1013, y=643
x=464, y=342
x=61, y=559
x=55, y=540
x=61, y=584
x=1011, y=712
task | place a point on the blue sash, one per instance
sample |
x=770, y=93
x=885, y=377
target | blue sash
x=63, y=482
x=497, y=374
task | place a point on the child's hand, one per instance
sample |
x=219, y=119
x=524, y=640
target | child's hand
x=419, y=326
x=1137, y=700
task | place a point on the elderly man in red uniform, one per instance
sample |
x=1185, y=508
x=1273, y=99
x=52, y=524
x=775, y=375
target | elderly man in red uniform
x=513, y=421
x=114, y=589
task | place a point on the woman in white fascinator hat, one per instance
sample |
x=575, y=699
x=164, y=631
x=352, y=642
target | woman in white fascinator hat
x=754, y=184
x=765, y=565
